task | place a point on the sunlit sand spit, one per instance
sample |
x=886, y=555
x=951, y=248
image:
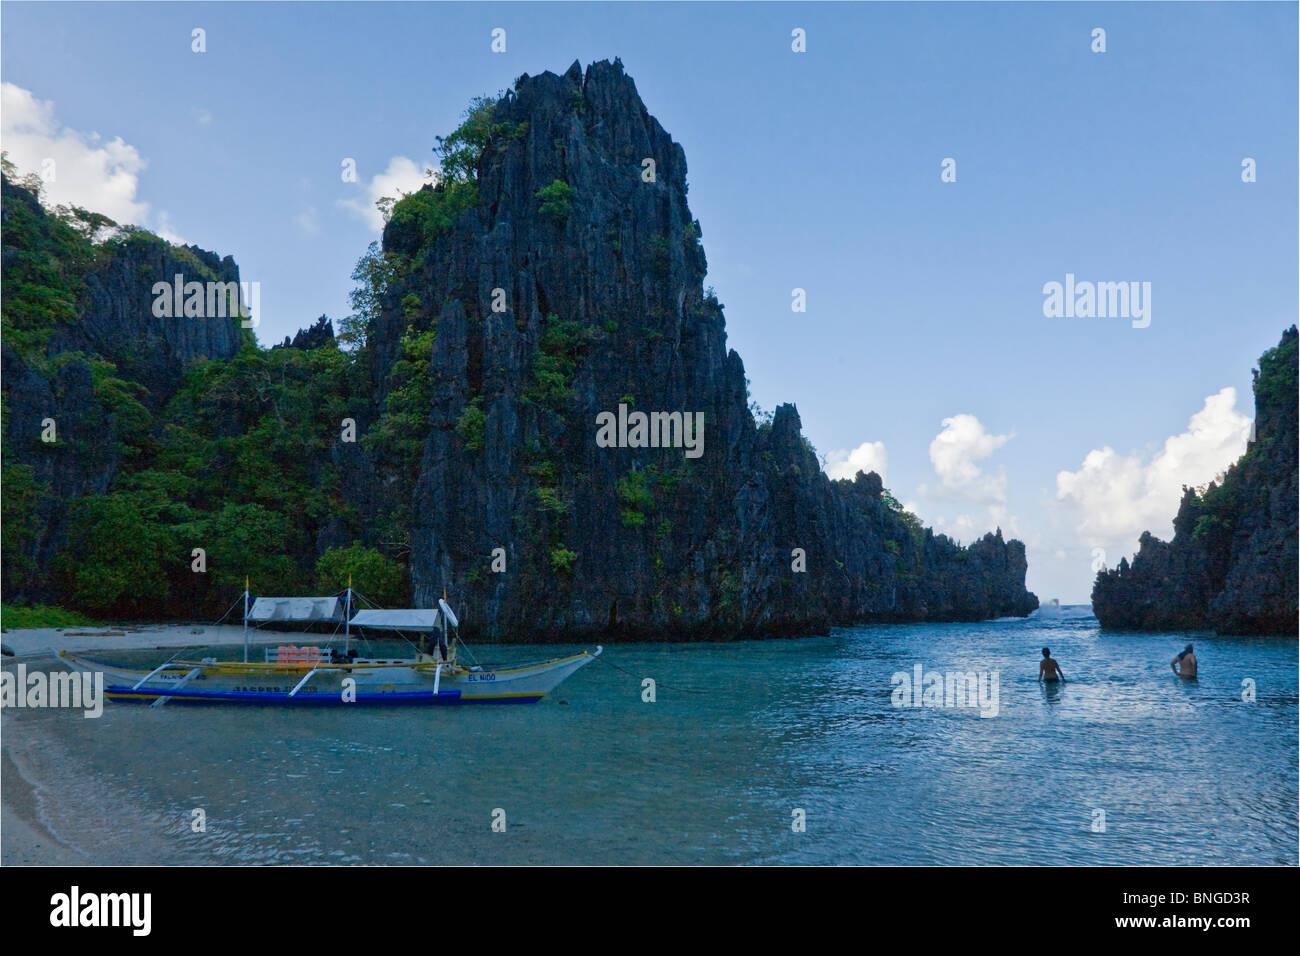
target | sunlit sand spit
x=40, y=641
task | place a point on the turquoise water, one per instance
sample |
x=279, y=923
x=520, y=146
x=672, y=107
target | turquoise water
x=740, y=736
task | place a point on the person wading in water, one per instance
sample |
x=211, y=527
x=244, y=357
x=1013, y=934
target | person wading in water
x=1184, y=664
x=1048, y=669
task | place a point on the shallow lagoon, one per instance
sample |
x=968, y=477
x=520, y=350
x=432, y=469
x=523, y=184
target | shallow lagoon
x=740, y=736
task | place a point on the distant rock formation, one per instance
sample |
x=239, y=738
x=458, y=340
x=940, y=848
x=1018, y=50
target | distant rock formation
x=317, y=335
x=114, y=319
x=1232, y=564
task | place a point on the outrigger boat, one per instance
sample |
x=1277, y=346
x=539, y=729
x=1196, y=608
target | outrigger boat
x=311, y=675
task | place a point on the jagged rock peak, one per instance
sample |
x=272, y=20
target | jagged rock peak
x=318, y=334
x=603, y=104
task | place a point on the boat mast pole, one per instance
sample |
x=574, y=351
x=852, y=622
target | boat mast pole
x=245, y=619
x=347, y=617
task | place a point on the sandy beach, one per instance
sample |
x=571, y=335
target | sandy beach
x=24, y=840
x=47, y=816
x=58, y=812
x=33, y=642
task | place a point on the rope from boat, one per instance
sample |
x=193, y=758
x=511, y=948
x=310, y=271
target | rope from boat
x=472, y=658
x=359, y=636
x=199, y=647
x=228, y=610
x=658, y=683
x=357, y=593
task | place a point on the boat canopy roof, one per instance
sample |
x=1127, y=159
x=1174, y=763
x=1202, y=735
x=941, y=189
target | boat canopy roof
x=301, y=609
x=401, y=619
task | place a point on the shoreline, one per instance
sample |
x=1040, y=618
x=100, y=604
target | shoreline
x=24, y=839
x=36, y=642
x=585, y=782
x=51, y=814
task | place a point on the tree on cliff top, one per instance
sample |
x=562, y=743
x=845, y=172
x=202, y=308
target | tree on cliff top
x=459, y=152
x=420, y=217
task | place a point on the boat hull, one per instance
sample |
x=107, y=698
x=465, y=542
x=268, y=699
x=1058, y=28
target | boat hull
x=390, y=684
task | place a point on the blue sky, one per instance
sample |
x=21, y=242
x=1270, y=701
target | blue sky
x=818, y=170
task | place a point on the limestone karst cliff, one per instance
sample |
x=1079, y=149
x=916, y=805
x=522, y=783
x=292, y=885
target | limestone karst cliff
x=1232, y=564
x=596, y=272
x=554, y=274
x=85, y=364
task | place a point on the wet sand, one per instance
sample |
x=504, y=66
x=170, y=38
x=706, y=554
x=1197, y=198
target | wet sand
x=55, y=813
x=49, y=817
x=24, y=840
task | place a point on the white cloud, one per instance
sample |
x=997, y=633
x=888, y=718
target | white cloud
x=101, y=176
x=982, y=496
x=202, y=117
x=868, y=457
x=308, y=222
x=954, y=453
x=1115, y=497
x=970, y=527
x=164, y=228
x=401, y=177
x=955, y=450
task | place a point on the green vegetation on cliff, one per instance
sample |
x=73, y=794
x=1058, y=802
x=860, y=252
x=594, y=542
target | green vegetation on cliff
x=230, y=476
x=239, y=461
x=441, y=432
x=237, y=464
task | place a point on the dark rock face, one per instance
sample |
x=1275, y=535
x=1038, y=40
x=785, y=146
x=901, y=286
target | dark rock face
x=568, y=286
x=116, y=318
x=604, y=295
x=85, y=459
x=119, y=324
x=1232, y=565
x=115, y=321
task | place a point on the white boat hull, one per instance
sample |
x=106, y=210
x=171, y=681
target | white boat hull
x=367, y=683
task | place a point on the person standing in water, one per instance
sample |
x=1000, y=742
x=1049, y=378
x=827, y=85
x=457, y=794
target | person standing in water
x=1048, y=669
x=1184, y=664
